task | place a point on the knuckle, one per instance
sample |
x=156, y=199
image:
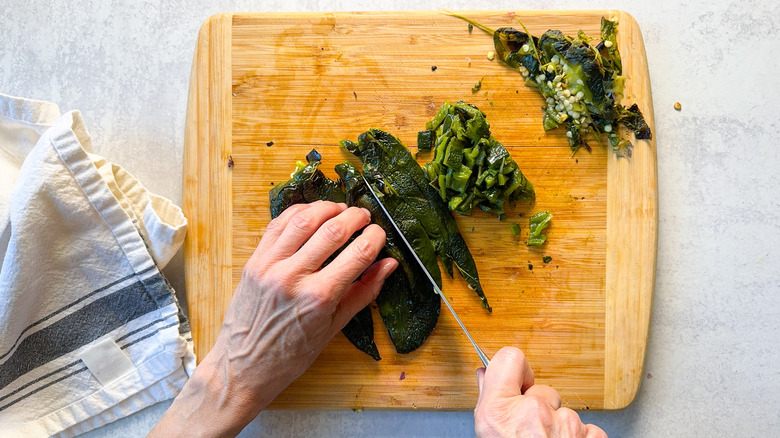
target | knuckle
x=535, y=404
x=363, y=251
x=255, y=273
x=302, y=221
x=361, y=212
x=569, y=419
x=379, y=231
x=251, y=270
x=536, y=407
x=276, y=224
x=513, y=354
x=334, y=232
x=292, y=210
x=266, y=275
x=321, y=298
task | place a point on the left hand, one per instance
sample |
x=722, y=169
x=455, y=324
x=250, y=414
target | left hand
x=286, y=309
x=284, y=312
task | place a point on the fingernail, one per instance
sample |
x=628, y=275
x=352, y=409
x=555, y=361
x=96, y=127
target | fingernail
x=368, y=213
x=380, y=270
x=480, y=379
x=388, y=267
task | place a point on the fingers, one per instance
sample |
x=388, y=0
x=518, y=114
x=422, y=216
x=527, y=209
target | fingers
x=510, y=404
x=300, y=226
x=592, y=431
x=360, y=293
x=330, y=237
x=276, y=226
x=353, y=260
x=480, y=379
x=508, y=374
x=546, y=394
x=569, y=423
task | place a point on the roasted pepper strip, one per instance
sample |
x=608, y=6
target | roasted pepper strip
x=387, y=163
x=407, y=302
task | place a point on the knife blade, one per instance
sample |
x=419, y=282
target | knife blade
x=482, y=356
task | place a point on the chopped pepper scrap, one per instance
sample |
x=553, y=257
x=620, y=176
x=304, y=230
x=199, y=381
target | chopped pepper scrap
x=537, y=223
x=425, y=140
x=581, y=83
x=476, y=87
x=470, y=167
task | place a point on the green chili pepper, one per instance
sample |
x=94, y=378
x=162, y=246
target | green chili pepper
x=537, y=223
x=474, y=165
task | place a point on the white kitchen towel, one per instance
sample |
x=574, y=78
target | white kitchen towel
x=90, y=330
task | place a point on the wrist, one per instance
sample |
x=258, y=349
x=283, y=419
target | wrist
x=211, y=403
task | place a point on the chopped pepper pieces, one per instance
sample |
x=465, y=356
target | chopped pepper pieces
x=470, y=167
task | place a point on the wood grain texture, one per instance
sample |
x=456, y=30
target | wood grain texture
x=632, y=237
x=302, y=81
x=208, y=184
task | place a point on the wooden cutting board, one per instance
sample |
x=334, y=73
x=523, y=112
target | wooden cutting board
x=267, y=88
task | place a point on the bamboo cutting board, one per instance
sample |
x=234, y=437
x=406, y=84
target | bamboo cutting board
x=267, y=88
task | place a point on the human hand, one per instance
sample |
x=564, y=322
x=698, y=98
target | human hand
x=286, y=309
x=284, y=312
x=510, y=405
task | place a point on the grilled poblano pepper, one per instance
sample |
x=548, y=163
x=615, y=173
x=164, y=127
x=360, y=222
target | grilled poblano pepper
x=389, y=166
x=581, y=83
x=308, y=184
x=407, y=302
x=470, y=168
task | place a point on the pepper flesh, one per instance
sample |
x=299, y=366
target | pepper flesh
x=537, y=223
x=477, y=170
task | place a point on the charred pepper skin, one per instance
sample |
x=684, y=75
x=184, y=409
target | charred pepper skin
x=407, y=303
x=389, y=166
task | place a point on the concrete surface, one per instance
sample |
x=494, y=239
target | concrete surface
x=713, y=361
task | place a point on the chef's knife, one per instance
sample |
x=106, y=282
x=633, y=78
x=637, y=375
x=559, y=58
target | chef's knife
x=482, y=356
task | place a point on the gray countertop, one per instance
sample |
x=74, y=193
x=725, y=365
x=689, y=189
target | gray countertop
x=713, y=357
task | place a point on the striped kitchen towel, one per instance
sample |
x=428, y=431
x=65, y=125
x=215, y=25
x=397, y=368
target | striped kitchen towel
x=90, y=330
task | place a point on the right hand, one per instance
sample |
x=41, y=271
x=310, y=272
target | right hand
x=510, y=405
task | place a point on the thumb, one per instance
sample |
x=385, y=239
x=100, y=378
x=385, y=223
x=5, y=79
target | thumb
x=480, y=379
x=360, y=293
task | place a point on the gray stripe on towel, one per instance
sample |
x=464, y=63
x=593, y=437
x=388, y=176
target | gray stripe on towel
x=85, y=325
x=68, y=306
x=65, y=367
